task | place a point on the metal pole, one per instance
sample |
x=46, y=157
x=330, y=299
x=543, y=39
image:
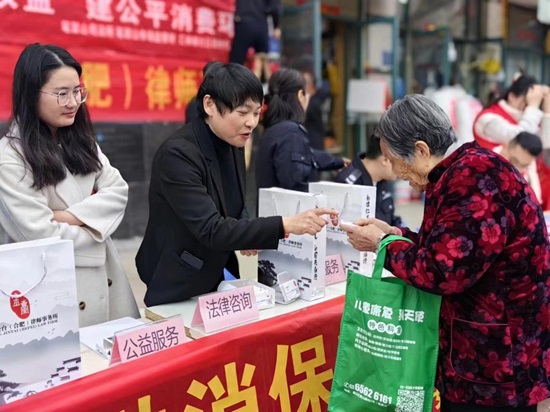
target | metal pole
x=361, y=126
x=317, y=33
x=395, y=57
x=347, y=145
x=405, y=61
x=446, y=62
x=408, y=72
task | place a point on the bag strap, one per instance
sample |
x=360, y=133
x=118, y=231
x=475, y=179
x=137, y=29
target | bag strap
x=32, y=287
x=381, y=255
x=276, y=209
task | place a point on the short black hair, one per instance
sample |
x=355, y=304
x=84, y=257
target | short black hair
x=373, y=148
x=529, y=141
x=230, y=85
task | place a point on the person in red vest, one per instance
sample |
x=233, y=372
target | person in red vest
x=519, y=110
x=525, y=107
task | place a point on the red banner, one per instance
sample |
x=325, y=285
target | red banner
x=142, y=59
x=284, y=364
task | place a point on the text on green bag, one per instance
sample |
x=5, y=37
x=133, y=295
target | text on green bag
x=407, y=315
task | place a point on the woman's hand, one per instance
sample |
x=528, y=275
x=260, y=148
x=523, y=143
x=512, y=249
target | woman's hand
x=534, y=96
x=63, y=216
x=249, y=252
x=309, y=221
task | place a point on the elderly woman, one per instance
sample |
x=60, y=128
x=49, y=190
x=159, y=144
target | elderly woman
x=483, y=245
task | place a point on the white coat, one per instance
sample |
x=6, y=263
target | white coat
x=497, y=129
x=103, y=289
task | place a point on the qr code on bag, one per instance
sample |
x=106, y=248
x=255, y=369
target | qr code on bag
x=409, y=401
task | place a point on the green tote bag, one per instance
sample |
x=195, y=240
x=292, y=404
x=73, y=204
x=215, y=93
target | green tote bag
x=387, y=350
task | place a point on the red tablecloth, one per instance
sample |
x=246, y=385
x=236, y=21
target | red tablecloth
x=282, y=364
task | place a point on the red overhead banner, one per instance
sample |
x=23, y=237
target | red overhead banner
x=141, y=59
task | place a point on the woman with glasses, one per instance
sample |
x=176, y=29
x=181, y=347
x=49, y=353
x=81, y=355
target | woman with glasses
x=55, y=181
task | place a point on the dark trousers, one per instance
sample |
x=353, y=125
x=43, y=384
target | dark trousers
x=447, y=406
x=249, y=33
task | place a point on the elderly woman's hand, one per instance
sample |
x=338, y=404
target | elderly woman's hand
x=364, y=238
x=380, y=224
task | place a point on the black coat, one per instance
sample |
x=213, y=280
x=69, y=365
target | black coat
x=286, y=159
x=191, y=111
x=357, y=174
x=189, y=240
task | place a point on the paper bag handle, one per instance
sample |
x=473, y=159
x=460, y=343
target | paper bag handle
x=32, y=287
x=381, y=255
x=276, y=209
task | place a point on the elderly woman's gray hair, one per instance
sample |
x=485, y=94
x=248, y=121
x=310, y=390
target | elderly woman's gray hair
x=414, y=118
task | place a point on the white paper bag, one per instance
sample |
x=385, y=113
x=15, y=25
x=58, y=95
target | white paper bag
x=543, y=11
x=353, y=202
x=39, y=340
x=301, y=256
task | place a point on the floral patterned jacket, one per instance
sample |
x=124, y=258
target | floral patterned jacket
x=483, y=245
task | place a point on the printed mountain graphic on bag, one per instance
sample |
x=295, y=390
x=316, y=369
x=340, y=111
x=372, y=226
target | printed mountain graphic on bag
x=41, y=341
x=271, y=264
x=66, y=371
x=58, y=350
x=6, y=387
x=267, y=273
x=24, y=330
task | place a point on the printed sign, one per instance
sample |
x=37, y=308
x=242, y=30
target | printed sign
x=222, y=310
x=147, y=339
x=334, y=269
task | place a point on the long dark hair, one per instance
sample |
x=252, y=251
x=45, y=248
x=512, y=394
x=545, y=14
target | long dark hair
x=47, y=156
x=282, y=97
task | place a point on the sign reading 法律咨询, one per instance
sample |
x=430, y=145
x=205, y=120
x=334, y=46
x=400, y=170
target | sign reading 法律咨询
x=222, y=310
